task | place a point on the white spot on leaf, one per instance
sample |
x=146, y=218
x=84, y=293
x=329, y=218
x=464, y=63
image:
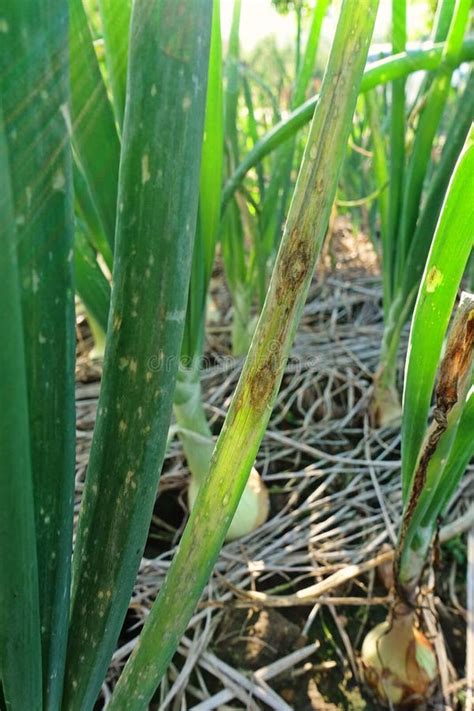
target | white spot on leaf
x=59, y=180
x=176, y=315
x=35, y=280
x=64, y=109
x=145, y=169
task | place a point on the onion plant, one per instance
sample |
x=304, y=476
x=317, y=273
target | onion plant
x=408, y=217
x=37, y=225
x=399, y=661
x=20, y=637
x=193, y=428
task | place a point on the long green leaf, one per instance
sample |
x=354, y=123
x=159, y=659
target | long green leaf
x=212, y=148
x=449, y=253
x=376, y=73
x=275, y=204
x=207, y=229
x=158, y=197
x=233, y=85
x=234, y=244
x=115, y=23
x=252, y=402
x=86, y=212
x=381, y=174
x=455, y=139
x=94, y=134
x=307, y=66
x=442, y=20
x=252, y=130
x=34, y=82
x=20, y=642
x=397, y=146
x=91, y=283
x=439, y=32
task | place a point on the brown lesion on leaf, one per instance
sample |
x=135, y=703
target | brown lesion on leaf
x=262, y=382
x=453, y=379
x=293, y=266
x=434, y=279
x=457, y=360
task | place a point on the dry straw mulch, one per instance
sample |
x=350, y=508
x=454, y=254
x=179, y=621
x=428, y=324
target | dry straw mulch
x=283, y=616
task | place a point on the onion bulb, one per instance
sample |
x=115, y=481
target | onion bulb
x=252, y=510
x=399, y=662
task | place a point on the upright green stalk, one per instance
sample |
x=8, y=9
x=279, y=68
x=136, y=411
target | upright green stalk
x=275, y=204
x=252, y=402
x=34, y=84
x=439, y=32
x=232, y=85
x=91, y=284
x=116, y=24
x=209, y=213
x=233, y=232
x=426, y=129
x=157, y=209
x=442, y=19
x=381, y=174
x=306, y=68
x=198, y=444
x=94, y=134
x=20, y=641
x=86, y=212
x=456, y=135
x=298, y=11
x=194, y=431
x=397, y=147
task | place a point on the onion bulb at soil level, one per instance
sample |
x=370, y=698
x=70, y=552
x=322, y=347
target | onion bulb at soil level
x=252, y=510
x=399, y=662
x=197, y=441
